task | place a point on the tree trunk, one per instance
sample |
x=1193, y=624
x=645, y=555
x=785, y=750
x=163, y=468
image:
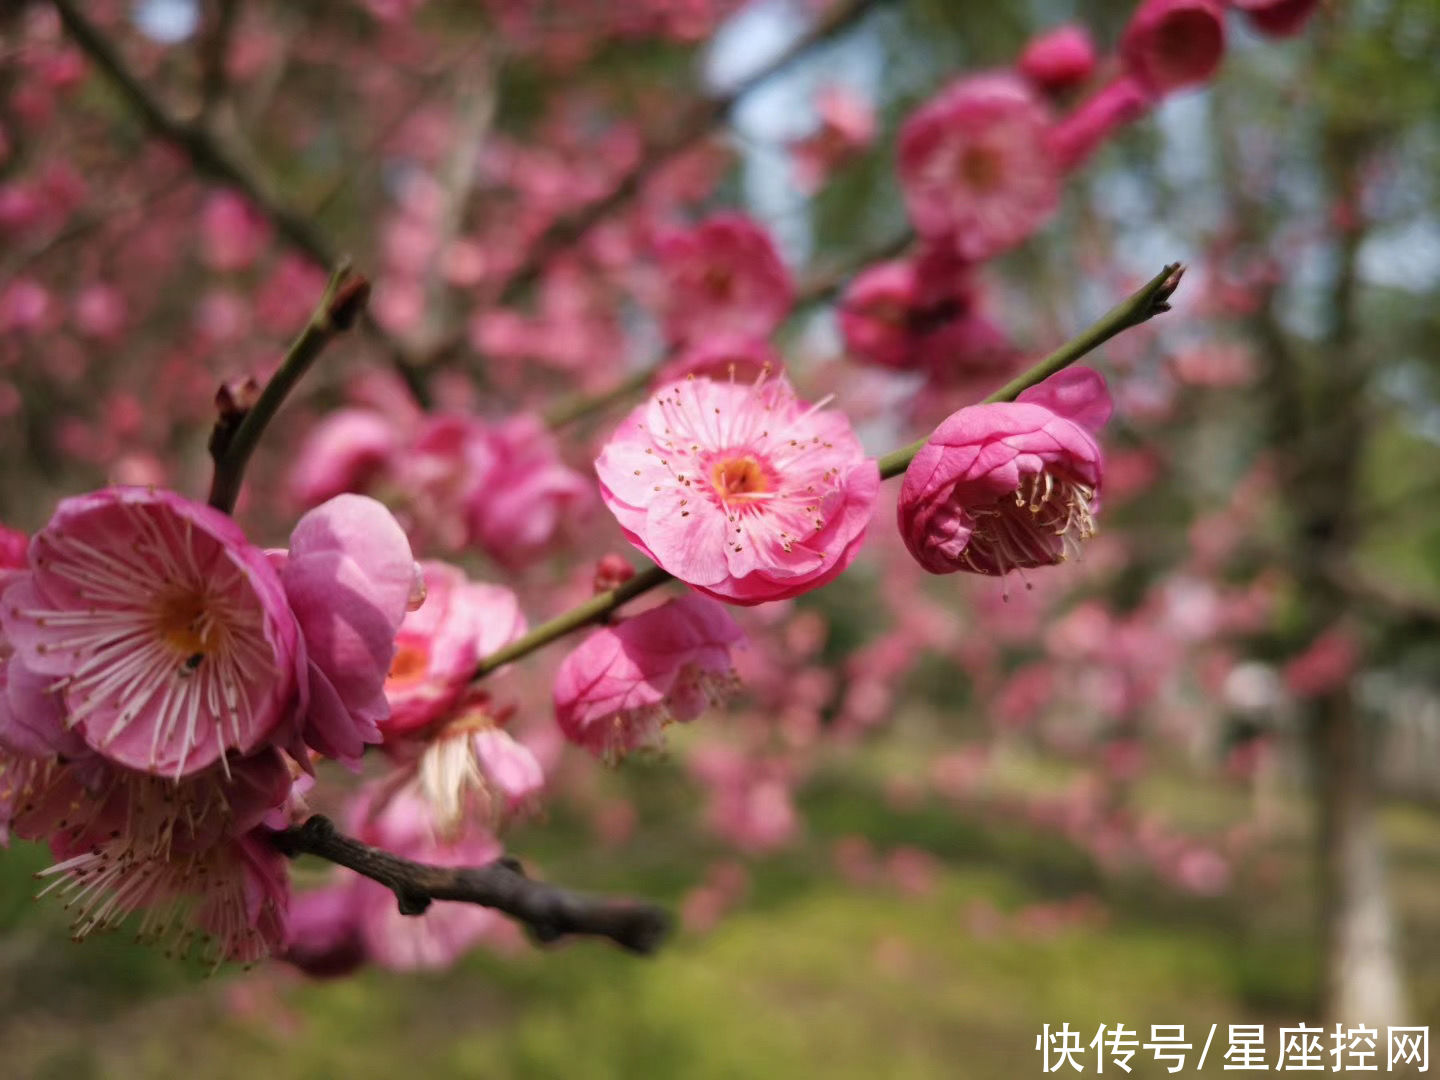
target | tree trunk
x=1361, y=967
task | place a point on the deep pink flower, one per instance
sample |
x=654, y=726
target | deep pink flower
x=165, y=634
x=1007, y=486
x=349, y=577
x=619, y=688
x=192, y=855
x=343, y=452
x=1057, y=60
x=1171, y=44
x=975, y=165
x=1326, y=665
x=1278, y=18
x=723, y=276
x=744, y=492
x=324, y=938
x=1080, y=134
x=439, y=644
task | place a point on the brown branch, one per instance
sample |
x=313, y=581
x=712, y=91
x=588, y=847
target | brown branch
x=693, y=127
x=550, y=912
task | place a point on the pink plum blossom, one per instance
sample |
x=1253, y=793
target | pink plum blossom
x=623, y=684
x=723, y=276
x=344, y=452
x=232, y=231
x=474, y=770
x=742, y=491
x=166, y=636
x=751, y=804
x=192, y=856
x=439, y=644
x=1059, y=59
x=1008, y=486
x=723, y=357
x=975, y=165
x=1171, y=44
x=349, y=578
x=847, y=127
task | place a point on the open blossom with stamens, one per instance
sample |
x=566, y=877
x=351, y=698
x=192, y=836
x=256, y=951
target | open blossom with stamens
x=623, y=684
x=152, y=630
x=1008, y=486
x=975, y=165
x=192, y=857
x=473, y=770
x=724, y=276
x=439, y=644
x=742, y=491
x=166, y=635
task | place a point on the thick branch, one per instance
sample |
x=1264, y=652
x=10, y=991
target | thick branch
x=1150, y=300
x=235, y=439
x=549, y=911
x=693, y=127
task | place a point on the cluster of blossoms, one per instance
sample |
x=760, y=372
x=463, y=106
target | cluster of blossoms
x=165, y=680
x=454, y=481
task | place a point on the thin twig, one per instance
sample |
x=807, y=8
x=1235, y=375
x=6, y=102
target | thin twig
x=1150, y=300
x=548, y=911
x=233, y=442
x=214, y=54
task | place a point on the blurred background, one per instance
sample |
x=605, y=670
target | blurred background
x=1193, y=778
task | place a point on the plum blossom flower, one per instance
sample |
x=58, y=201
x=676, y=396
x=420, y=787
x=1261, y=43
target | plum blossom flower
x=1172, y=44
x=1057, y=60
x=232, y=231
x=439, y=644
x=751, y=804
x=342, y=453
x=475, y=771
x=1080, y=133
x=623, y=684
x=847, y=127
x=166, y=636
x=1011, y=485
x=742, y=491
x=724, y=276
x=724, y=357
x=151, y=629
x=975, y=165
x=192, y=856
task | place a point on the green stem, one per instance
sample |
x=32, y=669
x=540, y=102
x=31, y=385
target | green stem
x=1149, y=301
x=342, y=301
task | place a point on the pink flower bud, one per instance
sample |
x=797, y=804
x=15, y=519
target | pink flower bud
x=1278, y=18
x=1008, y=486
x=724, y=276
x=1060, y=59
x=1172, y=44
x=1080, y=134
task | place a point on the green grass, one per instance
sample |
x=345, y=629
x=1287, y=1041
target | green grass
x=811, y=977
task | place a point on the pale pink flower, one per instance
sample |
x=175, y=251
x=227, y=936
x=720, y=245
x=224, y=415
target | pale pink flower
x=1008, y=486
x=474, y=771
x=343, y=452
x=439, y=644
x=1278, y=18
x=100, y=312
x=232, y=231
x=349, y=577
x=193, y=856
x=751, y=805
x=723, y=276
x=1059, y=59
x=1215, y=364
x=744, y=492
x=975, y=165
x=1171, y=44
x=624, y=683
x=167, y=637
x=523, y=495
x=1080, y=133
